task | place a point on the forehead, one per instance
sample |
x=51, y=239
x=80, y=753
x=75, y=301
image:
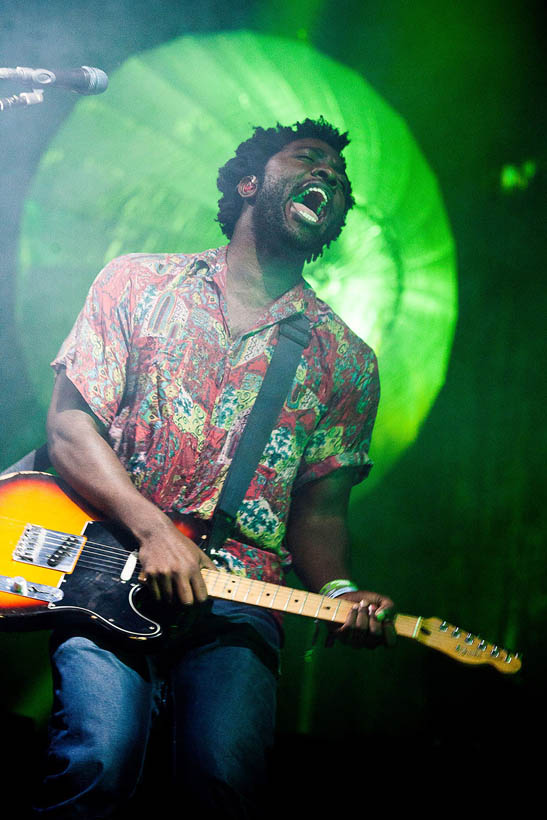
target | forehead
x=315, y=146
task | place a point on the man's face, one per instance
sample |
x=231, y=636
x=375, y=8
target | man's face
x=301, y=203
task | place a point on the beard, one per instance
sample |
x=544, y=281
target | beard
x=274, y=233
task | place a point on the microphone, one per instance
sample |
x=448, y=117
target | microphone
x=84, y=80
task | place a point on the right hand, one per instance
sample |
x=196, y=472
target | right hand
x=172, y=565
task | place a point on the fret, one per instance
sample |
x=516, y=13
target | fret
x=236, y=588
x=313, y=605
x=225, y=585
x=308, y=608
x=345, y=607
x=319, y=606
x=272, y=602
x=211, y=579
x=295, y=604
x=406, y=624
x=260, y=596
x=329, y=604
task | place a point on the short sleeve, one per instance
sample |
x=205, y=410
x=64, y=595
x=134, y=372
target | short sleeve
x=95, y=352
x=343, y=435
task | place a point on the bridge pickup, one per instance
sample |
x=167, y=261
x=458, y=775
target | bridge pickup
x=48, y=548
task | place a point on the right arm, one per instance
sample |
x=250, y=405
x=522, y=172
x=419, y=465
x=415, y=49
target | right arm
x=82, y=456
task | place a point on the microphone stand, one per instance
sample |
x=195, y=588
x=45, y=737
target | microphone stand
x=26, y=98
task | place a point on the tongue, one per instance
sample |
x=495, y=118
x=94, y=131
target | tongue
x=305, y=212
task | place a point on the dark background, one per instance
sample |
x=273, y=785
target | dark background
x=457, y=528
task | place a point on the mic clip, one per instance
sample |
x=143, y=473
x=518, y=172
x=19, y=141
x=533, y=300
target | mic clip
x=24, y=99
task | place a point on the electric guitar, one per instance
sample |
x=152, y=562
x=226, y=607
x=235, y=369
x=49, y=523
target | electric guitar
x=60, y=561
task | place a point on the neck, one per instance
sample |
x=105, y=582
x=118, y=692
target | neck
x=261, y=275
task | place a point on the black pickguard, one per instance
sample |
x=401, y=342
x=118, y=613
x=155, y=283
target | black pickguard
x=98, y=592
x=94, y=594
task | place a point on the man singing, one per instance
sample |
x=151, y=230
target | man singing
x=154, y=385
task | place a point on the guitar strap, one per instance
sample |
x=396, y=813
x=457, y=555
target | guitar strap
x=294, y=336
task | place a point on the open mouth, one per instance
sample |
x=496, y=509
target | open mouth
x=310, y=204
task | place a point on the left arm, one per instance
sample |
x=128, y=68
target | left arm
x=318, y=539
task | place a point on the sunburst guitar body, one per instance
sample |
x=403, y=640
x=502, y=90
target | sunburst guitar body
x=60, y=563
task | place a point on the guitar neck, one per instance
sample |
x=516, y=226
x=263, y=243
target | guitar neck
x=431, y=632
x=272, y=596
x=294, y=601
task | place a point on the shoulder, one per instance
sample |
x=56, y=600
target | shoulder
x=147, y=266
x=350, y=358
x=139, y=271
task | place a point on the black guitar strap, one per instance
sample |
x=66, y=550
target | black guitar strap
x=294, y=336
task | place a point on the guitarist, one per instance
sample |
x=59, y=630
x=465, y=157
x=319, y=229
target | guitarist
x=153, y=387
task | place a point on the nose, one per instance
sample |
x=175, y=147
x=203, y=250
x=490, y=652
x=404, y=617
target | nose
x=326, y=173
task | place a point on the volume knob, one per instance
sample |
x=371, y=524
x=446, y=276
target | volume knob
x=20, y=585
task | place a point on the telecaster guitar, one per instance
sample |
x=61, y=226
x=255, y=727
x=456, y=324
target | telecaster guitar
x=58, y=561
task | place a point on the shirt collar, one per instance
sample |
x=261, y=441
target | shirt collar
x=211, y=264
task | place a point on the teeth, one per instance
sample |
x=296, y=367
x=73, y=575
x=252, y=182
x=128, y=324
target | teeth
x=303, y=194
x=304, y=212
x=319, y=191
x=310, y=214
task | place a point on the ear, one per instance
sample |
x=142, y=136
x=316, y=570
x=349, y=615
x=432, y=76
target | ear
x=247, y=187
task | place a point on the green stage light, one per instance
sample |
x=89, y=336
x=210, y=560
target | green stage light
x=135, y=170
x=513, y=177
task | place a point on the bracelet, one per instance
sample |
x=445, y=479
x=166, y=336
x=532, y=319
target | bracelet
x=338, y=587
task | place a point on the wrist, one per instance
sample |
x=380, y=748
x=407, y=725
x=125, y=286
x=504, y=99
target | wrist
x=337, y=587
x=145, y=520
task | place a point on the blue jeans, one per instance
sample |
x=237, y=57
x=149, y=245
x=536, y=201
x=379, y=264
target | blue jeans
x=221, y=688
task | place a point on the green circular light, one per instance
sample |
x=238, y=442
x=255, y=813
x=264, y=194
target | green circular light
x=135, y=170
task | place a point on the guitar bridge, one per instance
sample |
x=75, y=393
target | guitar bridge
x=48, y=548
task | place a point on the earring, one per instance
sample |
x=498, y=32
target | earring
x=248, y=185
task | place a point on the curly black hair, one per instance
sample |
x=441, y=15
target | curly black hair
x=253, y=154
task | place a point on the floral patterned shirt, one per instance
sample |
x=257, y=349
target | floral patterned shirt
x=152, y=355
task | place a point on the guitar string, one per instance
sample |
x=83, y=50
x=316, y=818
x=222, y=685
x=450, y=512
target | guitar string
x=241, y=579
x=105, y=556
x=86, y=559
x=61, y=537
x=89, y=549
x=115, y=567
x=246, y=585
x=52, y=534
x=54, y=541
x=106, y=549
